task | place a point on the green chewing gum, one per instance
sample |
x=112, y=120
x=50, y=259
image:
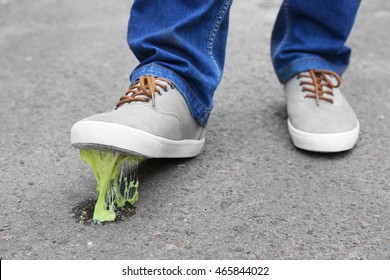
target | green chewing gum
x=117, y=181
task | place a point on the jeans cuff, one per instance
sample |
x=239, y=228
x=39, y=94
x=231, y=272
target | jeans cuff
x=198, y=111
x=305, y=64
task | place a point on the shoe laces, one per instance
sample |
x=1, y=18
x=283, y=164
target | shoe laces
x=317, y=83
x=144, y=89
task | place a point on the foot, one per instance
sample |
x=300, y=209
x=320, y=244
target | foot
x=319, y=117
x=152, y=120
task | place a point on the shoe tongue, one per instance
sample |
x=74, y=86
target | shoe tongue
x=331, y=78
x=157, y=89
x=157, y=80
x=162, y=82
x=307, y=83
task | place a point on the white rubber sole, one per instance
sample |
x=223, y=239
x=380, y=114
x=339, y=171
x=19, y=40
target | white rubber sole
x=116, y=137
x=323, y=142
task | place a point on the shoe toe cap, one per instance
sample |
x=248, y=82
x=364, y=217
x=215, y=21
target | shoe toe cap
x=317, y=119
x=162, y=124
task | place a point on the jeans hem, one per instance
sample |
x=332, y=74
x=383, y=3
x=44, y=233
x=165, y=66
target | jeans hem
x=305, y=64
x=198, y=111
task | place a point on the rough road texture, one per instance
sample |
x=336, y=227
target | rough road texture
x=249, y=195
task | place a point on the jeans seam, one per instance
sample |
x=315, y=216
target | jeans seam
x=181, y=78
x=288, y=28
x=213, y=34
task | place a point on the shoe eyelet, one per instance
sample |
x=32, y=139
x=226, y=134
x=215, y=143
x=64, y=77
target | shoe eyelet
x=146, y=101
x=165, y=89
x=172, y=86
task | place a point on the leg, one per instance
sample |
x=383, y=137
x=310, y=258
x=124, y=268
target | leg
x=183, y=41
x=309, y=56
x=312, y=35
x=181, y=48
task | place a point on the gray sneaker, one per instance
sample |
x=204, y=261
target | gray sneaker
x=319, y=117
x=152, y=120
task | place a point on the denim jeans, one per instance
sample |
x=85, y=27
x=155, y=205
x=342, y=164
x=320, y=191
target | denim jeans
x=185, y=41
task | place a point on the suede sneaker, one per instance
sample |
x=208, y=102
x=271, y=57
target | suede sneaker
x=319, y=117
x=151, y=120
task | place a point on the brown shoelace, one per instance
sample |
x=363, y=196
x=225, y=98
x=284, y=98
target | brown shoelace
x=144, y=89
x=319, y=84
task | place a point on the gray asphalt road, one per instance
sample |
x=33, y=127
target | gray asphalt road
x=249, y=195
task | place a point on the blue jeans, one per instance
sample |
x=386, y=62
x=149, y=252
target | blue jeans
x=185, y=41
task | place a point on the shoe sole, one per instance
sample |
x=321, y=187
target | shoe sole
x=323, y=142
x=128, y=140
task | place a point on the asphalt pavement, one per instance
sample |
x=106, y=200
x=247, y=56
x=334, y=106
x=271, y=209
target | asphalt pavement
x=249, y=195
